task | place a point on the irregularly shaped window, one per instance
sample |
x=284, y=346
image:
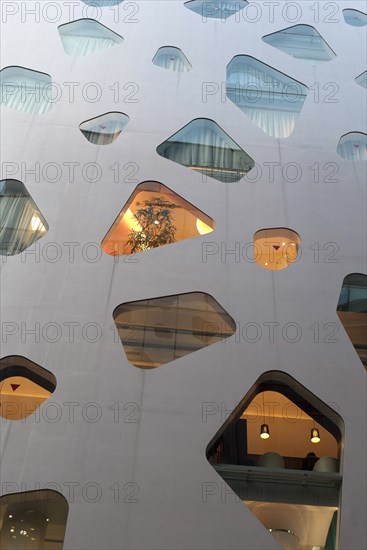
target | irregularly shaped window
x=276, y=248
x=104, y=129
x=25, y=90
x=290, y=479
x=86, y=36
x=355, y=18
x=33, y=520
x=156, y=331
x=203, y=146
x=271, y=99
x=22, y=223
x=302, y=42
x=102, y=3
x=172, y=59
x=362, y=79
x=24, y=386
x=216, y=9
x=154, y=216
x=352, y=312
x=353, y=146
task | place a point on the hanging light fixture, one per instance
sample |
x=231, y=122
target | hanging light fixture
x=315, y=435
x=264, y=430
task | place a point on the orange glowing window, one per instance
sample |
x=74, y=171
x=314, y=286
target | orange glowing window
x=276, y=248
x=154, y=216
x=24, y=386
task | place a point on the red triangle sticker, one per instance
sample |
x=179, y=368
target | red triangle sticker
x=14, y=387
x=276, y=247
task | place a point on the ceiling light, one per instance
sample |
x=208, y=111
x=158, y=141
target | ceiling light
x=315, y=436
x=264, y=432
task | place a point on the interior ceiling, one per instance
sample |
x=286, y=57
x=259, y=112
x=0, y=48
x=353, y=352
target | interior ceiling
x=309, y=523
x=20, y=397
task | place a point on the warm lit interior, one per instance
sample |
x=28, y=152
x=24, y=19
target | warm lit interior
x=143, y=224
x=276, y=248
x=157, y=331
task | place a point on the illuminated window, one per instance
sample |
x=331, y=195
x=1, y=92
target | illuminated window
x=33, y=520
x=172, y=59
x=203, y=146
x=216, y=9
x=353, y=146
x=362, y=79
x=290, y=479
x=270, y=98
x=355, y=18
x=352, y=312
x=154, y=216
x=302, y=42
x=86, y=36
x=276, y=248
x=22, y=223
x=104, y=129
x=25, y=90
x=159, y=330
x=24, y=386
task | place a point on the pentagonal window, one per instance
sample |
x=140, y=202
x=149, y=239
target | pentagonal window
x=355, y=18
x=154, y=216
x=22, y=223
x=159, y=330
x=33, y=520
x=353, y=146
x=171, y=58
x=276, y=248
x=362, y=79
x=302, y=42
x=102, y=3
x=86, y=36
x=352, y=312
x=280, y=452
x=203, y=146
x=25, y=90
x=104, y=129
x=270, y=98
x=24, y=386
x=216, y=9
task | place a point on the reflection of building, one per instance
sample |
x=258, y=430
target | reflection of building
x=183, y=230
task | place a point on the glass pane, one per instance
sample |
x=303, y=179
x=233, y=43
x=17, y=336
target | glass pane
x=156, y=331
x=35, y=520
x=86, y=36
x=154, y=216
x=362, y=79
x=216, y=9
x=25, y=90
x=172, y=59
x=276, y=248
x=104, y=129
x=271, y=99
x=353, y=146
x=302, y=42
x=355, y=18
x=203, y=146
x=22, y=223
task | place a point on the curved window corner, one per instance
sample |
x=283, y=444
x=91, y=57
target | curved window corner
x=352, y=312
x=276, y=248
x=271, y=99
x=203, y=146
x=302, y=42
x=280, y=453
x=24, y=386
x=353, y=146
x=154, y=216
x=86, y=36
x=173, y=59
x=160, y=330
x=216, y=9
x=362, y=80
x=104, y=129
x=22, y=223
x=102, y=3
x=33, y=520
x=25, y=90
x=355, y=18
